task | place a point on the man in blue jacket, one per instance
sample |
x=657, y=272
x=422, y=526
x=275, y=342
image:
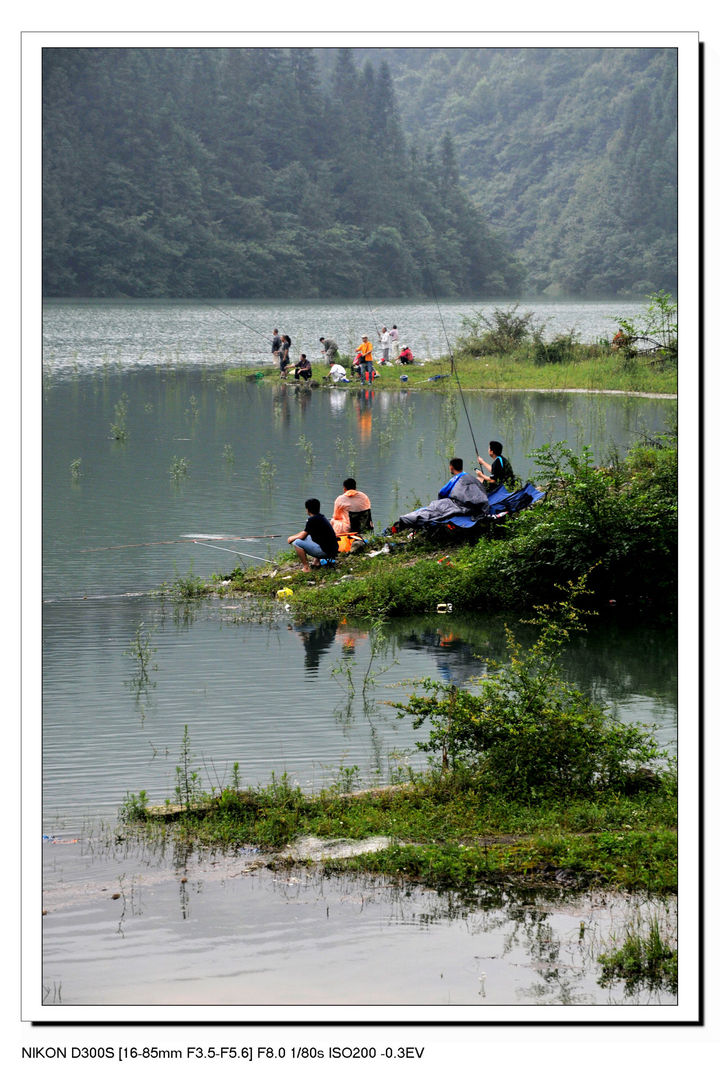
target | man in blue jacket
x=462, y=495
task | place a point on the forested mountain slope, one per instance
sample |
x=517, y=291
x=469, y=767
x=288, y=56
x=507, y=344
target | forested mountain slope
x=571, y=152
x=234, y=173
x=325, y=172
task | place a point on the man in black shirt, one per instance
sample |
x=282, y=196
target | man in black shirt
x=499, y=468
x=317, y=537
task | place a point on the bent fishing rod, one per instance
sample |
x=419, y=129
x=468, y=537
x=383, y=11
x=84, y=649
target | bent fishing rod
x=453, y=366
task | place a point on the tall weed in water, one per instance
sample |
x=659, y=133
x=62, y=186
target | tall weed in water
x=118, y=427
x=646, y=959
x=267, y=471
x=188, y=785
x=179, y=469
x=307, y=450
x=347, y=452
x=142, y=651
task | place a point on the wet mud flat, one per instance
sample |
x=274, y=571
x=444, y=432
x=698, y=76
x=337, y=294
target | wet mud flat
x=126, y=923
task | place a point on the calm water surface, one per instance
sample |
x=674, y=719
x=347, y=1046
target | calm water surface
x=98, y=334
x=234, y=462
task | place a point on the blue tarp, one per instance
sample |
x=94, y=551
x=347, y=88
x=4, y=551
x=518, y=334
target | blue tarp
x=502, y=501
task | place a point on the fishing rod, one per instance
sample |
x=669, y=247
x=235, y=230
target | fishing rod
x=453, y=366
x=239, y=553
x=372, y=312
x=230, y=538
x=263, y=335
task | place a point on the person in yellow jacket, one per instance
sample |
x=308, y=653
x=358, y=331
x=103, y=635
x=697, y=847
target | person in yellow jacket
x=366, y=359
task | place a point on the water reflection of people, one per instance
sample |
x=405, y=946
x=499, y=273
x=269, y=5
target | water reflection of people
x=316, y=639
x=363, y=403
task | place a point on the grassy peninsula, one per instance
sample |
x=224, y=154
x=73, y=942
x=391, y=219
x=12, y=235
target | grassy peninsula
x=616, y=522
x=508, y=349
x=530, y=784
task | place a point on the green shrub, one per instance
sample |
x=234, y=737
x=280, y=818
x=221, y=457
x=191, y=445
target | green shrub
x=502, y=333
x=558, y=351
x=528, y=732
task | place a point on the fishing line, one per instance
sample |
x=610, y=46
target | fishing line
x=239, y=553
x=453, y=366
x=129, y=546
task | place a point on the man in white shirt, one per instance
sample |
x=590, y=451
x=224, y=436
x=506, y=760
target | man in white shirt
x=385, y=344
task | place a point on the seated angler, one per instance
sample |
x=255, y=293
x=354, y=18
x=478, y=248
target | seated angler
x=316, y=539
x=352, y=512
x=499, y=467
x=461, y=495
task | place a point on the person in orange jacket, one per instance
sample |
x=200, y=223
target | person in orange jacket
x=365, y=350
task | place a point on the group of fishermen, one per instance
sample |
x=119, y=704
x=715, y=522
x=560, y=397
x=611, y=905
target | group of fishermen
x=463, y=494
x=363, y=363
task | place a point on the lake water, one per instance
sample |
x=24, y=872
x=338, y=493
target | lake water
x=94, y=334
x=205, y=456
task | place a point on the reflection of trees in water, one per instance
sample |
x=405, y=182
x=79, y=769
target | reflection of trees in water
x=616, y=662
x=534, y=931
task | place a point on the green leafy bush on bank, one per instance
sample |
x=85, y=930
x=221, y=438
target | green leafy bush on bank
x=528, y=733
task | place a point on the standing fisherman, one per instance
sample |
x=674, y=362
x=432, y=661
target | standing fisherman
x=385, y=344
x=366, y=359
x=394, y=342
x=275, y=347
x=330, y=349
x=285, y=343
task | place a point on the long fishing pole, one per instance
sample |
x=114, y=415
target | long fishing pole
x=372, y=312
x=453, y=366
x=230, y=538
x=263, y=335
x=239, y=553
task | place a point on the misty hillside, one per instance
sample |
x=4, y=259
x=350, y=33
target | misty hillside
x=308, y=173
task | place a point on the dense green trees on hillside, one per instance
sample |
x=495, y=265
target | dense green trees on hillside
x=570, y=152
x=337, y=172
x=235, y=173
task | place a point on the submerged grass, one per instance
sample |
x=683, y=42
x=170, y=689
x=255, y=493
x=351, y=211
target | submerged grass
x=647, y=959
x=448, y=831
